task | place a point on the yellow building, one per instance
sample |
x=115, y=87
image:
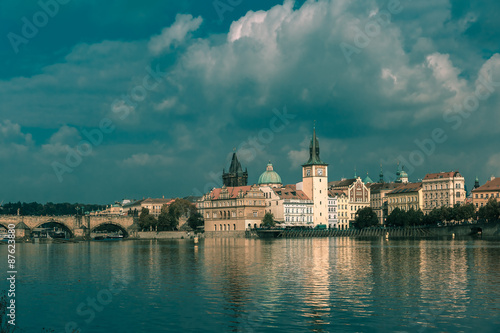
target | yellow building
x=229, y=211
x=482, y=194
x=378, y=199
x=342, y=208
x=405, y=197
x=357, y=192
x=443, y=189
x=154, y=206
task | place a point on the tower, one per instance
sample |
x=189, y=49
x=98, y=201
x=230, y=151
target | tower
x=476, y=183
x=315, y=182
x=236, y=176
x=381, y=175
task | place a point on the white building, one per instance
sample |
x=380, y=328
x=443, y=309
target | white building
x=290, y=207
x=332, y=212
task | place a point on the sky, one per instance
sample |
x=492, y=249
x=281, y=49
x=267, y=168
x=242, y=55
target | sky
x=102, y=101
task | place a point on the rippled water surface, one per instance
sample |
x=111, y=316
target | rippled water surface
x=247, y=285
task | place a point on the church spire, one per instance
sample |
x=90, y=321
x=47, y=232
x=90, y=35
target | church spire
x=381, y=175
x=314, y=149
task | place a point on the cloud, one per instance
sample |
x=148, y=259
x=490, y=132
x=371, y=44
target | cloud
x=176, y=33
x=218, y=91
x=144, y=159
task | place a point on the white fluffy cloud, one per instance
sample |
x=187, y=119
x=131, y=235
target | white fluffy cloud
x=176, y=33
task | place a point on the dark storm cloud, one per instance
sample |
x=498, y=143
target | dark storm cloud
x=220, y=86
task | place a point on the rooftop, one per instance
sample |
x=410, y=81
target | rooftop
x=491, y=185
x=407, y=188
x=440, y=175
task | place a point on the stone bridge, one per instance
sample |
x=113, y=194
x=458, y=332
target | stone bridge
x=77, y=226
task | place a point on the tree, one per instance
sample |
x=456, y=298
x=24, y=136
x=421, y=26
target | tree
x=268, y=220
x=491, y=211
x=413, y=217
x=195, y=220
x=365, y=217
x=146, y=220
x=170, y=215
x=396, y=218
x=433, y=217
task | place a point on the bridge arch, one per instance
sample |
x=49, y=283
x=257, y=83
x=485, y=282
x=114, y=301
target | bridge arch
x=52, y=223
x=110, y=223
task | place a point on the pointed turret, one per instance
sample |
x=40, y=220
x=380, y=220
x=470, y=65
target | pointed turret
x=314, y=150
x=235, y=176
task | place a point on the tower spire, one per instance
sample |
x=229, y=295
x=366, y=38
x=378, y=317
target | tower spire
x=314, y=149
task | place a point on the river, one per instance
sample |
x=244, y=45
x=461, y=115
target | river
x=251, y=285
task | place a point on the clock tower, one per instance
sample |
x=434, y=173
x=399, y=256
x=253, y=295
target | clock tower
x=315, y=182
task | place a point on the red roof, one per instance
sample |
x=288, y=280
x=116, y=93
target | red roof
x=289, y=192
x=491, y=185
x=333, y=193
x=232, y=191
x=439, y=175
x=406, y=188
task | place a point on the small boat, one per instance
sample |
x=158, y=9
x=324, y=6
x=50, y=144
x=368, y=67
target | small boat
x=107, y=237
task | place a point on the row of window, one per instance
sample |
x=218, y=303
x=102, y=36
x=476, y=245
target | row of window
x=487, y=194
x=429, y=187
x=225, y=227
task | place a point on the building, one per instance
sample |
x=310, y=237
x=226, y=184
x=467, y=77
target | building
x=401, y=175
x=290, y=206
x=232, y=210
x=235, y=176
x=315, y=182
x=443, y=189
x=482, y=194
x=358, y=195
x=405, y=197
x=378, y=199
x=153, y=205
x=338, y=207
x=332, y=211
x=270, y=177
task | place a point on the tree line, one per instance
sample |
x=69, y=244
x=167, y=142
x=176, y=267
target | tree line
x=47, y=209
x=168, y=220
x=366, y=217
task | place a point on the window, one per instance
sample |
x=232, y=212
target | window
x=234, y=226
x=486, y=196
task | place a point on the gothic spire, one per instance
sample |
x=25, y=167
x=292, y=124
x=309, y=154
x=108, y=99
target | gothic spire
x=314, y=150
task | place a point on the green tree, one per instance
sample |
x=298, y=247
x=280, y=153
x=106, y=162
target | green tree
x=433, y=217
x=491, y=211
x=146, y=220
x=268, y=220
x=365, y=217
x=396, y=218
x=413, y=217
x=195, y=220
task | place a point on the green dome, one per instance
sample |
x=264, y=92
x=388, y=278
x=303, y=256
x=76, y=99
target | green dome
x=269, y=176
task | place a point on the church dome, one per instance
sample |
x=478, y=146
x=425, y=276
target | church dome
x=269, y=176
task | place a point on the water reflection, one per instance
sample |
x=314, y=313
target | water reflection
x=251, y=285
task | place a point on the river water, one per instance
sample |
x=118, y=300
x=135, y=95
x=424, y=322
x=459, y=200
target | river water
x=250, y=285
